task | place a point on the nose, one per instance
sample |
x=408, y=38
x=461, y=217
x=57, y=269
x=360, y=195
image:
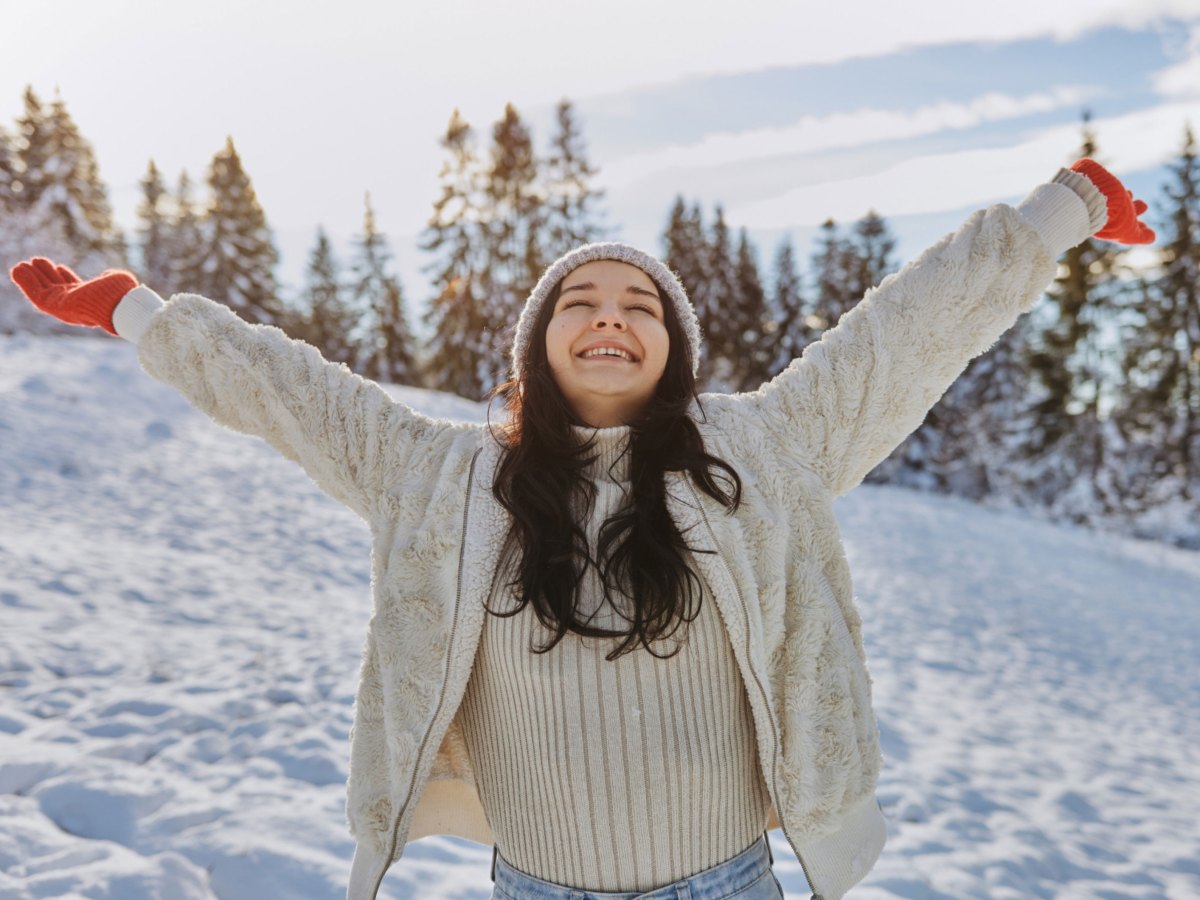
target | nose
x=609, y=316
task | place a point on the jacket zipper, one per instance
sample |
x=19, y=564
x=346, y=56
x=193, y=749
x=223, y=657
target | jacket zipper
x=462, y=548
x=762, y=691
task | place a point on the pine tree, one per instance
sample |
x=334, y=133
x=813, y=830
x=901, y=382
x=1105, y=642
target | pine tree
x=61, y=187
x=240, y=258
x=1160, y=410
x=385, y=347
x=395, y=337
x=966, y=444
x=686, y=253
x=716, y=304
x=868, y=256
x=571, y=217
x=154, y=231
x=33, y=151
x=512, y=232
x=21, y=237
x=459, y=359
x=793, y=325
x=834, y=291
x=75, y=194
x=755, y=343
x=1062, y=447
x=188, y=240
x=328, y=321
x=53, y=204
x=8, y=174
x=683, y=248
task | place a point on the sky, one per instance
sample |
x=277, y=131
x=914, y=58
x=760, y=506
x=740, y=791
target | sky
x=785, y=113
x=183, y=614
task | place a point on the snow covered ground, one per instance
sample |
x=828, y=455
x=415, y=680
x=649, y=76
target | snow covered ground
x=181, y=614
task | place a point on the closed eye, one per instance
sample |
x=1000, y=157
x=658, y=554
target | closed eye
x=641, y=307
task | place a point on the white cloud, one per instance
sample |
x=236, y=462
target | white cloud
x=950, y=181
x=849, y=129
x=1183, y=78
x=348, y=97
x=546, y=54
x=479, y=54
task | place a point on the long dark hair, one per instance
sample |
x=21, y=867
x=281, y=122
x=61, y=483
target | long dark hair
x=640, y=552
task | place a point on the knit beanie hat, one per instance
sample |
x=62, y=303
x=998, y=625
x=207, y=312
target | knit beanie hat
x=566, y=264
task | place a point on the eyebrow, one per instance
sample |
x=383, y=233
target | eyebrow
x=632, y=289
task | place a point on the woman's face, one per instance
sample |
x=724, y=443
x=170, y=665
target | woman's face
x=606, y=342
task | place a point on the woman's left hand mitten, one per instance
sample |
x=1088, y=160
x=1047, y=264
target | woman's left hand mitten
x=1122, y=226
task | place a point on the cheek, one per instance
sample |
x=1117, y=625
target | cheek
x=657, y=346
x=558, y=342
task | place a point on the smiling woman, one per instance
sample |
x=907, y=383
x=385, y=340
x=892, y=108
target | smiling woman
x=617, y=511
x=606, y=342
x=604, y=367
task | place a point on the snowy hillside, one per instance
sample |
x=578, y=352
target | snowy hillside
x=181, y=614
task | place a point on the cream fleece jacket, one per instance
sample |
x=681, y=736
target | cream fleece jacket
x=778, y=571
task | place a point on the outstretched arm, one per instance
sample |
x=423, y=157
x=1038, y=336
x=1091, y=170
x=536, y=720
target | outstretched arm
x=854, y=395
x=349, y=435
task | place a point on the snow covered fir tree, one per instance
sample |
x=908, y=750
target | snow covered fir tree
x=154, y=231
x=326, y=318
x=512, y=220
x=52, y=202
x=1088, y=410
x=239, y=257
x=383, y=349
x=496, y=223
x=1158, y=416
x=458, y=346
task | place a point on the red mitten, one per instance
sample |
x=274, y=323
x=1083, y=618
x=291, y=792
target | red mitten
x=57, y=291
x=1123, y=211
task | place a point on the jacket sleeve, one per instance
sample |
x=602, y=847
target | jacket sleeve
x=855, y=394
x=347, y=433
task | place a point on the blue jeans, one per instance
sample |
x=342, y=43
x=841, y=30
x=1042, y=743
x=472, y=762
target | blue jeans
x=746, y=876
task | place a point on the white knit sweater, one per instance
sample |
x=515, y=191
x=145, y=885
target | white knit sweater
x=631, y=773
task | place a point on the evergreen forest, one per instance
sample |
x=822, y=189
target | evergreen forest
x=1087, y=411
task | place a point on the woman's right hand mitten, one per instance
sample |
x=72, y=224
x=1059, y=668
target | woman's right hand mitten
x=59, y=292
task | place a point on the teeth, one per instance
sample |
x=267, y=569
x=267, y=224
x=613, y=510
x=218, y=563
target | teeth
x=607, y=351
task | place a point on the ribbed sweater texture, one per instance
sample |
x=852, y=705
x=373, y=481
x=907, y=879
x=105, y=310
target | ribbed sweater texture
x=612, y=776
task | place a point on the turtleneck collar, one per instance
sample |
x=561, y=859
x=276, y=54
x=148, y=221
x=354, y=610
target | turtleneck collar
x=609, y=446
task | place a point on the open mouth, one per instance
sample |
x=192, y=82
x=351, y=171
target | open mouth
x=610, y=353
